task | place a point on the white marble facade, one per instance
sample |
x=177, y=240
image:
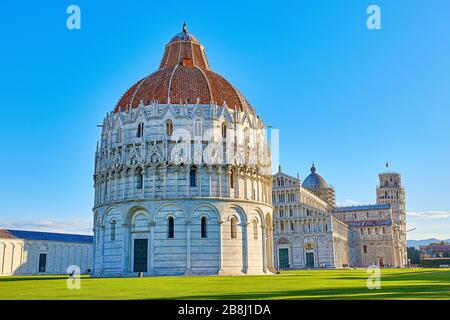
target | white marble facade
x=182, y=175
x=141, y=182
x=306, y=235
x=139, y=186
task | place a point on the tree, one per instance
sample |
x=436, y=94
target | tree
x=413, y=255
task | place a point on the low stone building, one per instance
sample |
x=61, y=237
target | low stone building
x=435, y=255
x=30, y=252
x=370, y=234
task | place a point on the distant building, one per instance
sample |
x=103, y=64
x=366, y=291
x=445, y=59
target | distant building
x=435, y=254
x=30, y=252
x=311, y=232
x=435, y=250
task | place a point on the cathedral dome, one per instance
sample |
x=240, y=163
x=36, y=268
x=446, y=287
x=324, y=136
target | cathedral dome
x=314, y=180
x=184, y=36
x=184, y=77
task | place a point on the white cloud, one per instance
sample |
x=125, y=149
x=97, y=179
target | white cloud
x=429, y=214
x=81, y=226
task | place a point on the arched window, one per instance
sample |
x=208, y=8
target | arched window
x=384, y=230
x=198, y=128
x=255, y=229
x=365, y=248
x=169, y=127
x=119, y=135
x=233, y=225
x=139, y=179
x=171, y=228
x=193, y=177
x=113, y=230
x=224, y=130
x=204, y=223
x=140, y=131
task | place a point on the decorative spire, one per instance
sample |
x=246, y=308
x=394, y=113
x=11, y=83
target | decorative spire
x=279, y=168
x=313, y=168
x=184, y=27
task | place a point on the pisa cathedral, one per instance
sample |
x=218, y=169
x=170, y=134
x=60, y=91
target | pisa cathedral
x=310, y=231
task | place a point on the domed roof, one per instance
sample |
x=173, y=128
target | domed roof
x=184, y=76
x=314, y=180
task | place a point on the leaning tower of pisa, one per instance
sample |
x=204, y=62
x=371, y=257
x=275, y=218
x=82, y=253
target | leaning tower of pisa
x=390, y=191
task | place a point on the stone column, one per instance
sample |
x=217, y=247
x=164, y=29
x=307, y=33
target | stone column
x=199, y=181
x=219, y=174
x=221, y=270
x=244, y=226
x=124, y=182
x=188, y=248
x=229, y=183
x=209, y=171
x=263, y=243
x=116, y=180
x=126, y=249
x=151, y=269
x=165, y=182
x=133, y=175
x=258, y=195
x=143, y=173
x=271, y=248
x=176, y=181
x=245, y=185
x=188, y=183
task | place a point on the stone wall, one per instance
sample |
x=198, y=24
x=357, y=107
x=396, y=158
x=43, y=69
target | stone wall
x=187, y=252
x=21, y=257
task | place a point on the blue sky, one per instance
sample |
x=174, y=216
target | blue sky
x=346, y=97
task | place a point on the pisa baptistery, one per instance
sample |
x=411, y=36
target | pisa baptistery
x=182, y=175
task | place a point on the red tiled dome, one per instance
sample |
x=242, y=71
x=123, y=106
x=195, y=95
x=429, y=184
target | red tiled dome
x=184, y=76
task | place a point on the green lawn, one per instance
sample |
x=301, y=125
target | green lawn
x=317, y=284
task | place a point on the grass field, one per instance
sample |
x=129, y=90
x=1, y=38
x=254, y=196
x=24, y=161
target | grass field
x=317, y=284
